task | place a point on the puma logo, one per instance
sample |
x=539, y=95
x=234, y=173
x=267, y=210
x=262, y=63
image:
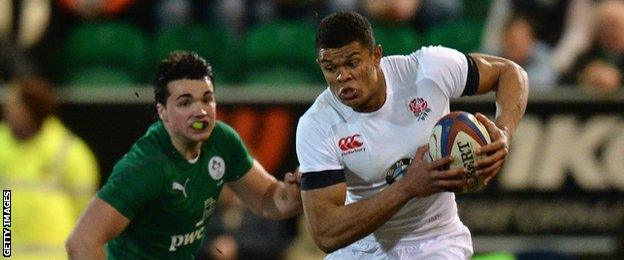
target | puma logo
x=177, y=186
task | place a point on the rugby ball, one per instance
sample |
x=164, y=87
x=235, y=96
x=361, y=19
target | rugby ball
x=458, y=134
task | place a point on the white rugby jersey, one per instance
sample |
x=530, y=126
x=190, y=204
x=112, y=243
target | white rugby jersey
x=370, y=146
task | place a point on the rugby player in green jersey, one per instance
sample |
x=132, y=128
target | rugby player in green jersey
x=160, y=195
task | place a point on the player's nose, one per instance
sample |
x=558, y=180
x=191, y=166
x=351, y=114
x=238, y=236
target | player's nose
x=343, y=75
x=200, y=110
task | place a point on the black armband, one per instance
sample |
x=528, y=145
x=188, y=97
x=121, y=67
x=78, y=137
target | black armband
x=472, y=82
x=315, y=180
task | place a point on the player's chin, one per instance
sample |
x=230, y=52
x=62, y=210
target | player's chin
x=353, y=102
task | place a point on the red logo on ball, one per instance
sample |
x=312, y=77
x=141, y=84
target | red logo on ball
x=350, y=142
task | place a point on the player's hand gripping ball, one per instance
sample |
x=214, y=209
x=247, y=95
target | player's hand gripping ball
x=459, y=134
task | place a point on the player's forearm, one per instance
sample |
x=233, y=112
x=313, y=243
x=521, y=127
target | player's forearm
x=79, y=249
x=511, y=98
x=336, y=227
x=279, y=205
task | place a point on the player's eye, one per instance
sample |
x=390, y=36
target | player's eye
x=184, y=103
x=353, y=64
x=329, y=68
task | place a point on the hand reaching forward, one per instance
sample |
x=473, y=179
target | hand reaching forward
x=292, y=185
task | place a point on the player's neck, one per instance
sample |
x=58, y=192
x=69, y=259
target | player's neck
x=189, y=150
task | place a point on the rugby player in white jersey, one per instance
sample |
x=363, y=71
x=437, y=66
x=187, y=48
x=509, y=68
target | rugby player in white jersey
x=367, y=190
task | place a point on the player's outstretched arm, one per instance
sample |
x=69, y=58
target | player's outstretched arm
x=335, y=225
x=99, y=223
x=511, y=84
x=267, y=196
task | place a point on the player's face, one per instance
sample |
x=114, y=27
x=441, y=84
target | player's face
x=17, y=115
x=191, y=102
x=353, y=75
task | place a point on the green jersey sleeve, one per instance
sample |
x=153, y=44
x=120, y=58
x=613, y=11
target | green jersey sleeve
x=240, y=161
x=132, y=185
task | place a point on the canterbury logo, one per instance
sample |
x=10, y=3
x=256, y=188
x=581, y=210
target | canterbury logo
x=178, y=186
x=350, y=142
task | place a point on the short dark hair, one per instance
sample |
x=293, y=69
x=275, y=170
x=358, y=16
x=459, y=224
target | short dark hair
x=342, y=28
x=179, y=65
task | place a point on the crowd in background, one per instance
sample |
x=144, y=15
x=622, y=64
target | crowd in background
x=560, y=43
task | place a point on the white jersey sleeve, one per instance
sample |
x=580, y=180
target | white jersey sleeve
x=315, y=149
x=444, y=67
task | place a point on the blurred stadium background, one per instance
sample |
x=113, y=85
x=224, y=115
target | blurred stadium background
x=560, y=195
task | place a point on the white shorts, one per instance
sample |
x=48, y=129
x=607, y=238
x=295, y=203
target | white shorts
x=454, y=245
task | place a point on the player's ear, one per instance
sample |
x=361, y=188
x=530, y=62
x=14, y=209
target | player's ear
x=377, y=53
x=161, y=112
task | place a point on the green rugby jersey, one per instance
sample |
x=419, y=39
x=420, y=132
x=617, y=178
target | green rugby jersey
x=167, y=198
